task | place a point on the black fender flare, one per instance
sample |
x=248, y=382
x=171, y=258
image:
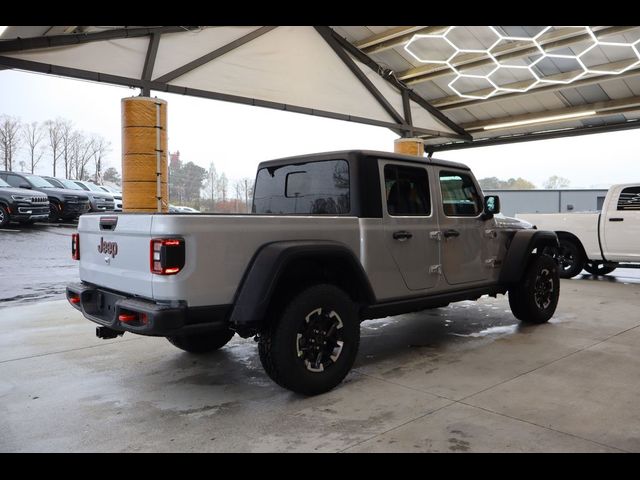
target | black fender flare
x=261, y=278
x=520, y=248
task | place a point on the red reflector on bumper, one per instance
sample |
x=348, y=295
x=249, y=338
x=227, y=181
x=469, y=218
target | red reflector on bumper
x=128, y=317
x=74, y=299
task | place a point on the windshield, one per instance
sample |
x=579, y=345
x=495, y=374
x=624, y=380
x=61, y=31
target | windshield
x=55, y=182
x=70, y=184
x=94, y=187
x=3, y=183
x=38, y=181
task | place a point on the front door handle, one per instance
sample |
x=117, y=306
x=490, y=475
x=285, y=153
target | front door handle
x=402, y=235
x=617, y=219
x=451, y=233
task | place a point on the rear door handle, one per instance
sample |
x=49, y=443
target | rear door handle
x=451, y=233
x=617, y=219
x=402, y=235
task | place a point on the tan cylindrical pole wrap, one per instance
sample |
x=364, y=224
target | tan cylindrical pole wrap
x=409, y=146
x=145, y=170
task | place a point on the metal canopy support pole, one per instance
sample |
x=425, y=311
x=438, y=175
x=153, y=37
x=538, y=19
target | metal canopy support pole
x=149, y=62
x=198, y=62
x=360, y=75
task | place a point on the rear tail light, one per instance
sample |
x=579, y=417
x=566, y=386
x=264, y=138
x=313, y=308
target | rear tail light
x=166, y=256
x=75, y=246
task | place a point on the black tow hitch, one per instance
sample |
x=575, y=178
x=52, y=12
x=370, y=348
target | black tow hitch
x=106, y=333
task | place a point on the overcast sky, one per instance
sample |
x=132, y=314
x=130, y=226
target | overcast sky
x=237, y=137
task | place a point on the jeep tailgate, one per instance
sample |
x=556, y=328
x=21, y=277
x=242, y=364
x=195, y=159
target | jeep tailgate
x=116, y=256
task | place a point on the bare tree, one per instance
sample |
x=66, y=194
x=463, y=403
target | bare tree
x=9, y=139
x=212, y=182
x=237, y=186
x=54, y=133
x=101, y=146
x=81, y=150
x=223, y=184
x=68, y=138
x=33, y=134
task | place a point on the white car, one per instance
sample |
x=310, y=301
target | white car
x=117, y=196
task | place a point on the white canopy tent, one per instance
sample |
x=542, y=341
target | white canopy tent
x=300, y=69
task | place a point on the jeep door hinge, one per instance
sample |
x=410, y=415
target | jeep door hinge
x=437, y=269
x=437, y=235
x=493, y=262
x=490, y=233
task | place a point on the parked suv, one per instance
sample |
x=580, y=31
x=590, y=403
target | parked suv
x=99, y=201
x=21, y=205
x=64, y=204
x=117, y=196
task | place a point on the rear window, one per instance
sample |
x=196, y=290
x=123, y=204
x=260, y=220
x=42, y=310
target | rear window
x=318, y=188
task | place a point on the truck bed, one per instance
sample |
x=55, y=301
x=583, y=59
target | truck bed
x=214, y=241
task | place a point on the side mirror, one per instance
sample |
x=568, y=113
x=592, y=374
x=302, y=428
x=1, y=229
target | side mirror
x=491, y=206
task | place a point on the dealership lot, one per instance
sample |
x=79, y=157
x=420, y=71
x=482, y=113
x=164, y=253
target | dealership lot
x=463, y=378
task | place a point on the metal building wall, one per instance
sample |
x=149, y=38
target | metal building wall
x=548, y=201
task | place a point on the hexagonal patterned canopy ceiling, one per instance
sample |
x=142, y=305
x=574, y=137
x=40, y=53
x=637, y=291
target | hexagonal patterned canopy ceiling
x=454, y=86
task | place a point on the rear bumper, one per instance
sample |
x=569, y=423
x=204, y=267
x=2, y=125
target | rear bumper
x=112, y=309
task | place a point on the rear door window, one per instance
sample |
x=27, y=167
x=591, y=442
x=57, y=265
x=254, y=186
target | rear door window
x=629, y=199
x=407, y=190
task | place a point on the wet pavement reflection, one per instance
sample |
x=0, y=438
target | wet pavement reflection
x=35, y=263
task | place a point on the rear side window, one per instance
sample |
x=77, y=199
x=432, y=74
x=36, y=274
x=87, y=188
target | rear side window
x=629, y=199
x=407, y=190
x=15, y=181
x=460, y=197
x=318, y=188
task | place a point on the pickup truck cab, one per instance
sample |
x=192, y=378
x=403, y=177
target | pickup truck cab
x=598, y=242
x=333, y=239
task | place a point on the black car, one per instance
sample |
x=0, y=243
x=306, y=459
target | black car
x=21, y=205
x=64, y=204
x=99, y=201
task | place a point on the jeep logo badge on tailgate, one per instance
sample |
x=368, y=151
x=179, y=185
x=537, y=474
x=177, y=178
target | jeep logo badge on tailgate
x=110, y=248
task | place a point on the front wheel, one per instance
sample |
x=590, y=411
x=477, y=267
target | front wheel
x=202, y=342
x=312, y=343
x=535, y=298
x=54, y=212
x=599, y=268
x=4, y=216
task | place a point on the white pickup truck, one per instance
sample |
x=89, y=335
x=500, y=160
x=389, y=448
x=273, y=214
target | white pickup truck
x=598, y=242
x=334, y=239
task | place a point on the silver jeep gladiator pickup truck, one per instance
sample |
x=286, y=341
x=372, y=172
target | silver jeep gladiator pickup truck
x=334, y=239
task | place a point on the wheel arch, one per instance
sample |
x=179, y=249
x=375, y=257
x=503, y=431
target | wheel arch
x=278, y=270
x=522, y=245
x=563, y=235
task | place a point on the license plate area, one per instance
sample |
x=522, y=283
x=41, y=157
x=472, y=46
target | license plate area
x=102, y=305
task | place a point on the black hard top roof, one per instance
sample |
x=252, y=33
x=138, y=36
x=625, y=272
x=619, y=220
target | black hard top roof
x=360, y=153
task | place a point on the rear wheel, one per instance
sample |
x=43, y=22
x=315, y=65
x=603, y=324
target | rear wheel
x=599, y=268
x=202, y=342
x=570, y=258
x=312, y=343
x=4, y=216
x=535, y=298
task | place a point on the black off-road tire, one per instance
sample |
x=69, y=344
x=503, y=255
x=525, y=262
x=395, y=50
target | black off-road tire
x=599, y=268
x=54, y=212
x=4, y=216
x=570, y=257
x=534, y=299
x=285, y=343
x=202, y=342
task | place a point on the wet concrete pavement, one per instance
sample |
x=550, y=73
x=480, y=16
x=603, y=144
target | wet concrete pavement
x=35, y=262
x=466, y=378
